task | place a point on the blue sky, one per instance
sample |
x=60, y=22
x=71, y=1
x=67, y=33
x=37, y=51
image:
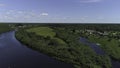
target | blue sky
x=60, y=11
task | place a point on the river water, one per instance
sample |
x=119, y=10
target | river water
x=99, y=51
x=13, y=54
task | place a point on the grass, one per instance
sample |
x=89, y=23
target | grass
x=43, y=31
x=46, y=31
x=59, y=40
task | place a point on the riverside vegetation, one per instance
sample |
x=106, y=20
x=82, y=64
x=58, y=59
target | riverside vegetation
x=61, y=41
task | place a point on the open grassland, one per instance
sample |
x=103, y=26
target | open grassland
x=46, y=32
x=43, y=31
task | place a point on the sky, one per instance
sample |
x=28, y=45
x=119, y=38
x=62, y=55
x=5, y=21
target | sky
x=60, y=11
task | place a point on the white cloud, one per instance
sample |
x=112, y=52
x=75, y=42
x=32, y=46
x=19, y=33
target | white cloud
x=20, y=15
x=89, y=1
x=44, y=14
x=20, y=12
x=2, y=5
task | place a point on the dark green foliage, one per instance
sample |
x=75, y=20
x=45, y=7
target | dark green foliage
x=73, y=52
x=4, y=28
x=109, y=45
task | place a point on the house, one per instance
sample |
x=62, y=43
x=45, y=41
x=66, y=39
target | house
x=90, y=31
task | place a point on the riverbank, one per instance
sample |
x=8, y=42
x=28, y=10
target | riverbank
x=73, y=52
x=14, y=54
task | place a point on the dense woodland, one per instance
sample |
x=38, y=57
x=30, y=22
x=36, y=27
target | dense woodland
x=4, y=28
x=71, y=50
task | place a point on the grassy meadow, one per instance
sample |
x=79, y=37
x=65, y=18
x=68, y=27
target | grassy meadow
x=43, y=31
x=46, y=32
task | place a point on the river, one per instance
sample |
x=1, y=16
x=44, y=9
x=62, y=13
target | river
x=13, y=54
x=99, y=51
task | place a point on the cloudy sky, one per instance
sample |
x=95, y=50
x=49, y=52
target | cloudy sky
x=60, y=11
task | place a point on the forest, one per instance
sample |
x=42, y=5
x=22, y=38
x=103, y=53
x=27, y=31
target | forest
x=4, y=28
x=61, y=41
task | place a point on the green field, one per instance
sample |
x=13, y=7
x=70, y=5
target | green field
x=46, y=32
x=43, y=31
